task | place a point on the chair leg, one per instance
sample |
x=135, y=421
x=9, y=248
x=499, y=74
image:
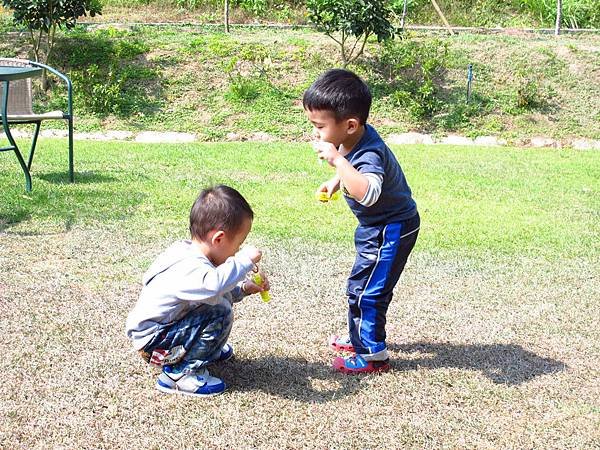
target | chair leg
x=71, y=172
x=33, y=144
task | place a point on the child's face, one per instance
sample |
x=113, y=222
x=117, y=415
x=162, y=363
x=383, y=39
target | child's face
x=228, y=243
x=328, y=129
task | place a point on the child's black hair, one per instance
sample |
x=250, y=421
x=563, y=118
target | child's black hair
x=340, y=91
x=219, y=207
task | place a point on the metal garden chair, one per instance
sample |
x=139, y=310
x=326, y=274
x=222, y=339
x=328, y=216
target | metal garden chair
x=20, y=106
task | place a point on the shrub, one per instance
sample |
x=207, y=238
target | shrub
x=411, y=68
x=256, y=7
x=245, y=86
x=104, y=71
x=100, y=91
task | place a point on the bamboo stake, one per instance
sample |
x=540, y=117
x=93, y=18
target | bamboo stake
x=558, y=17
x=226, y=14
x=441, y=14
x=403, y=14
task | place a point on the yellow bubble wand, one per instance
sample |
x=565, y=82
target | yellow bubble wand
x=325, y=197
x=258, y=279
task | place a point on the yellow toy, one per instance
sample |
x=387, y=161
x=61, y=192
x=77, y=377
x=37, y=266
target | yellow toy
x=324, y=197
x=257, y=279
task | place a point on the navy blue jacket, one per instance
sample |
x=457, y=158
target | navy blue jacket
x=395, y=204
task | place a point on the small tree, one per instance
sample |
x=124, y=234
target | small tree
x=351, y=22
x=42, y=17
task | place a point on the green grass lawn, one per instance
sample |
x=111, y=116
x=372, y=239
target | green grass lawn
x=493, y=331
x=473, y=201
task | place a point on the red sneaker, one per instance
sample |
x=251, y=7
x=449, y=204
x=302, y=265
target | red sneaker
x=340, y=344
x=357, y=364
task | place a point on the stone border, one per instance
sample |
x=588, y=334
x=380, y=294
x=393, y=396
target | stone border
x=411, y=138
x=493, y=141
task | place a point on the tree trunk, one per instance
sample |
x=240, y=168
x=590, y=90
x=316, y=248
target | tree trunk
x=558, y=17
x=226, y=16
x=343, y=48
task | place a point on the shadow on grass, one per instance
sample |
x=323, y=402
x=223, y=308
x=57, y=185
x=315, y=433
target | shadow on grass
x=80, y=177
x=98, y=201
x=501, y=363
x=12, y=217
x=291, y=378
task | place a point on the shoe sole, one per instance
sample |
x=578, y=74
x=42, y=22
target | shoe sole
x=167, y=390
x=345, y=370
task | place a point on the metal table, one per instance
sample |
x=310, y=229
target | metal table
x=8, y=74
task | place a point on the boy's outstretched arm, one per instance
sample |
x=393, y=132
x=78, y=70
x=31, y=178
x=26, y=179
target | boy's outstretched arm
x=355, y=182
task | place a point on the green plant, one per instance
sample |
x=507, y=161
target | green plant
x=256, y=7
x=218, y=44
x=188, y=4
x=113, y=89
x=241, y=87
x=99, y=90
x=487, y=13
x=105, y=71
x=410, y=69
x=248, y=84
x=532, y=90
x=6, y=23
x=575, y=13
x=343, y=20
x=457, y=115
x=528, y=94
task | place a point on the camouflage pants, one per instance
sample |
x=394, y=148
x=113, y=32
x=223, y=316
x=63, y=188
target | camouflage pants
x=194, y=341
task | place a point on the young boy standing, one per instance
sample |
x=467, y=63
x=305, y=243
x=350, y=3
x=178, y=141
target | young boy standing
x=374, y=186
x=183, y=317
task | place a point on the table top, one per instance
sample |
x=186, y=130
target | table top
x=9, y=73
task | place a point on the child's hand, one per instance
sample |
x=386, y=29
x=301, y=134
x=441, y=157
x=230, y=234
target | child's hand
x=253, y=253
x=327, y=152
x=250, y=287
x=330, y=186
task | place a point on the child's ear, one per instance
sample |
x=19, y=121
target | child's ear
x=217, y=237
x=352, y=125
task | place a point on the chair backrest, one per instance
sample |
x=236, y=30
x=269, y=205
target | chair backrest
x=19, y=93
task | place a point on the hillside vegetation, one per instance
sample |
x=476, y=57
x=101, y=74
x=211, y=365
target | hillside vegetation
x=219, y=86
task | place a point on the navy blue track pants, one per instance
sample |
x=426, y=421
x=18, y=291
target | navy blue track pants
x=381, y=254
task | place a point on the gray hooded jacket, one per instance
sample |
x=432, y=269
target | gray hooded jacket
x=180, y=279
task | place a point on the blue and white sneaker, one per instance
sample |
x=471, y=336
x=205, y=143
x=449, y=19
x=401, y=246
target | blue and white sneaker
x=200, y=384
x=357, y=364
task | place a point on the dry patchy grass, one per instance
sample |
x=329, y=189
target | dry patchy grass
x=496, y=354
